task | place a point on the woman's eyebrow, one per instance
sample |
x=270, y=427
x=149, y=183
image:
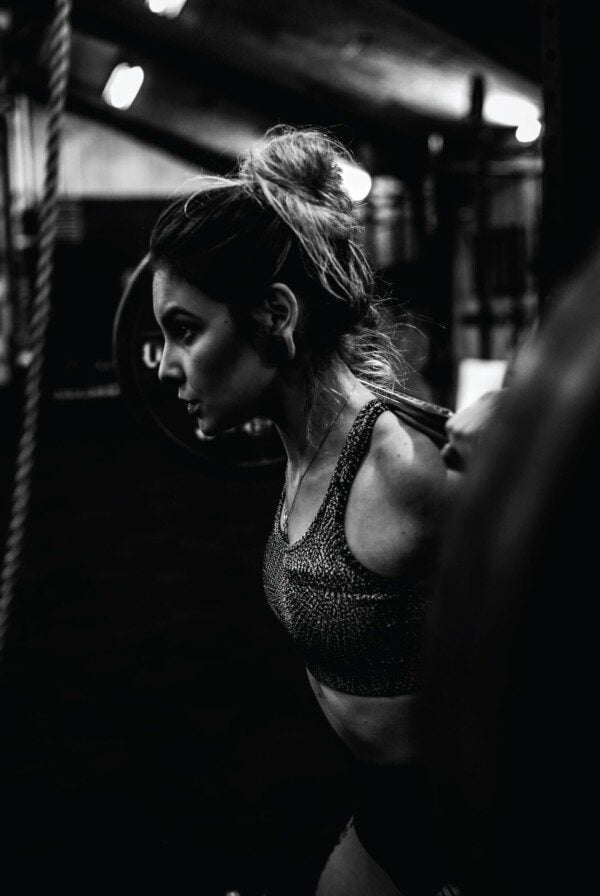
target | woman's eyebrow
x=175, y=312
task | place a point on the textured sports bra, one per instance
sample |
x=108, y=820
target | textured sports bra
x=358, y=632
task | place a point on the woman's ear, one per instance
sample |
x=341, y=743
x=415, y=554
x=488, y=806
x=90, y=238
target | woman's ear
x=278, y=316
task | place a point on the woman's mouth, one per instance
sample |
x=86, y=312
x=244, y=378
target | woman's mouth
x=193, y=408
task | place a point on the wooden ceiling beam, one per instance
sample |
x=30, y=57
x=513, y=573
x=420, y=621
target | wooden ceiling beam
x=171, y=101
x=247, y=67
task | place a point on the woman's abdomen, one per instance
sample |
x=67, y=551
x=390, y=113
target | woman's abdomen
x=380, y=730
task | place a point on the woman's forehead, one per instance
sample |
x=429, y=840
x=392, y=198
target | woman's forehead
x=170, y=293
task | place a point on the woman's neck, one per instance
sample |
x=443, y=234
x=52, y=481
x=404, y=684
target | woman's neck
x=303, y=423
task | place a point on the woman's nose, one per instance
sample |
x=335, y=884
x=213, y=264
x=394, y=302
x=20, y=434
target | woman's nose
x=168, y=369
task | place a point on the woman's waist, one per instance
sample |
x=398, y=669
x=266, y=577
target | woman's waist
x=378, y=730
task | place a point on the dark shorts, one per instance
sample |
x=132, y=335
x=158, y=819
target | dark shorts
x=395, y=822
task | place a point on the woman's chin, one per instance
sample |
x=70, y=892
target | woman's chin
x=206, y=429
x=210, y=426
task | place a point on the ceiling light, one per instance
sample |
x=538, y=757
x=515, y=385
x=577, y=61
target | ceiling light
x=435, y=143
x=509, y=109
x=123, y=85
x=168, y=8
x=528, y=131
x=357, y=182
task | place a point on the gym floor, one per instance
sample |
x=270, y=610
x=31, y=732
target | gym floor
x=157, y=721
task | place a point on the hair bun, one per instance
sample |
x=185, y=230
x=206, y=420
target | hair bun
x=304, y=163
x=297, y=175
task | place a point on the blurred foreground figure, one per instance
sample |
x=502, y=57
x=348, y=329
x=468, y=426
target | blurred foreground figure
x=509, y=713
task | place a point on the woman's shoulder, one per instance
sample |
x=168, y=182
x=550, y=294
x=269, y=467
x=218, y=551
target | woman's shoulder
x=406, y=464
x=397, y=498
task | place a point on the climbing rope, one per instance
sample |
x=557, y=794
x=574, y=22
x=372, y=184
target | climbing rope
x=59, y=45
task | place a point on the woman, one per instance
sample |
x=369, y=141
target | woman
x=267, y=307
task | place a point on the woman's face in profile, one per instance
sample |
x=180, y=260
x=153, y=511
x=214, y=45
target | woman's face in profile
x=217, y=370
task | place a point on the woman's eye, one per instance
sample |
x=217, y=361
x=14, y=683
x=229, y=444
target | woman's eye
x=184, y=333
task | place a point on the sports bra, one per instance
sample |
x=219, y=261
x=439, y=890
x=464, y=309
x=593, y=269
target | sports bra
x=358, y=632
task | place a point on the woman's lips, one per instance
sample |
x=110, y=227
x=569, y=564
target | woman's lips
x=193, y=408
